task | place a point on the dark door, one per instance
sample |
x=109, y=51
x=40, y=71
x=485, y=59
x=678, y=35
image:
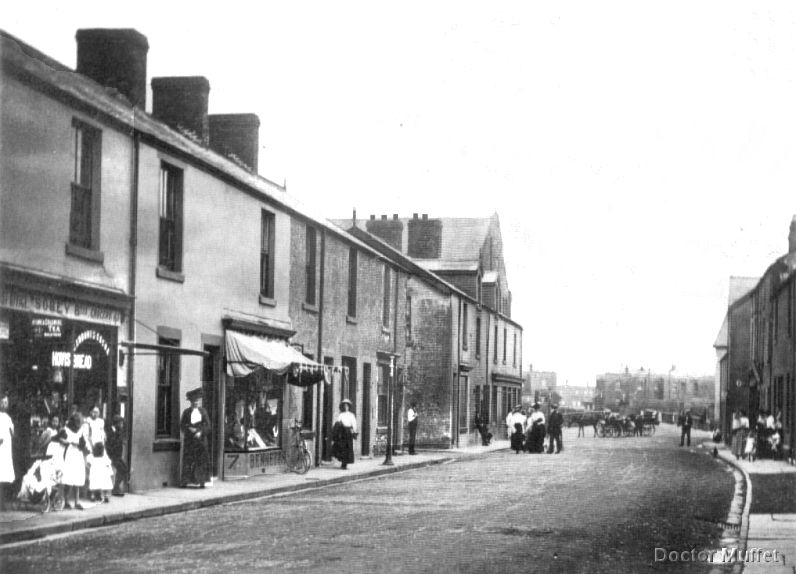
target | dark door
x=365, y=409
x=211, y=367
x=328, y=413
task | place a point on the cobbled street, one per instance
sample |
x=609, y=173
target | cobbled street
x=603, y=505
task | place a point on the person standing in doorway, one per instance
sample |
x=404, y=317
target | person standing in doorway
x=195, y=425
x=555, y=422
x=411, y=417
x=343, y=434
x=115, y=436
x=7, y=475
x=685, y=429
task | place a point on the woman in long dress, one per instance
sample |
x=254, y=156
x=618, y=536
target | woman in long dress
x=74, y=470
x=343, y=435
x=195, y=425
x=7, y=475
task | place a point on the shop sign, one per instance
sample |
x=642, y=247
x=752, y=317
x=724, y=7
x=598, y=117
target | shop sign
x=93, y=335
x=57, y=305
x=76, y=360
x=46, y=328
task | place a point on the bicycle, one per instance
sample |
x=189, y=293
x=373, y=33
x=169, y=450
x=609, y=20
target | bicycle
x=298, y=458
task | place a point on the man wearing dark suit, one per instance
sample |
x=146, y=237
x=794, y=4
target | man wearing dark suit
x=555, y=422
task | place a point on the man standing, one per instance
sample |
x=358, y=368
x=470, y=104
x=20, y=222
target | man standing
x=411, y=417
x=554, y=424
x=116, y=436
x=685, y=430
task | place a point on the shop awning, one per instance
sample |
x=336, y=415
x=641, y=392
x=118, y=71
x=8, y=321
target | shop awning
x=246, y=353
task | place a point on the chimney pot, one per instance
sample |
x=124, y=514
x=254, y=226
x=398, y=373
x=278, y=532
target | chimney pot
x=414, y=216
x=115, y=58
x=384, y=217
x=181, y=102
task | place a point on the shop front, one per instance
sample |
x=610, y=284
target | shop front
x=58, y=355
x=261, y=396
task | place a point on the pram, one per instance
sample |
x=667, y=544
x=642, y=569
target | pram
x=40, y=486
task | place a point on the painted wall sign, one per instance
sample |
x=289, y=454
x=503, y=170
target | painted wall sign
x=92, y=335
x=58, y=306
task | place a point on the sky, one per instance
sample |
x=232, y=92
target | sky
x=638, y=154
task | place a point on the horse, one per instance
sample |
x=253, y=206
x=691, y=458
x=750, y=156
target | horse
x=590, y=418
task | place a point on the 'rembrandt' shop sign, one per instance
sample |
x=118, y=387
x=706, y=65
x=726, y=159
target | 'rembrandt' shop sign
x=18, y=299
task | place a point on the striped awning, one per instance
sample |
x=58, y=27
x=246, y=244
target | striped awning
x=247, y=353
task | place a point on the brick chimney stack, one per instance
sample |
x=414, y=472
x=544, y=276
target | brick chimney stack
x=181, y=103
x=237, y=134
x=116, y=58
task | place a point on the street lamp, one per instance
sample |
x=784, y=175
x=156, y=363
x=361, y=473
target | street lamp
x=388, y=458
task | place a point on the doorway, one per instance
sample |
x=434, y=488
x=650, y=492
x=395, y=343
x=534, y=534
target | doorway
x=365, y=409
x=211, y=368
x=328, y=412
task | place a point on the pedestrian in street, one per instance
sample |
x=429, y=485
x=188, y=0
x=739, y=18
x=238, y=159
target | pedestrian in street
x=483, y=429
x=516, y=422
x=7, y=475
x=115, y=436
x=343, y=434
x=195, y=425
x=740, y=428
x=74, y=473
x=554, y=430
x=536, y=425
x=411, y=418
x=685, y=429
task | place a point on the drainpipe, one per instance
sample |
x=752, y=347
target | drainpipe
x=319, y=358
x=132, y=291
x=457, y=378
x=395, y=351
x=486, y=372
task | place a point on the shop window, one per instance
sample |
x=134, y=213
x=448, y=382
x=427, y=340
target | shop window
x=171, y=191
x=385, y=305
x=168, y=387
x=84, y=216
x=310, y=262
x=253, y=415
x=381, y=389
x=267, y=254
x=352, y=282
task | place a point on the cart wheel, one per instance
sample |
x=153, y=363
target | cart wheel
x=601, y=430
x=43, y=504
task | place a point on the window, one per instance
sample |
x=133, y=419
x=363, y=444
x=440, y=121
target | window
x=166, y=423
x=514, y=352
x=478, y=336
x=381, y=389
x=504, y=344
x=310, y=265
x=495, y=344
x=408, y=318
x=85, y=210
x=385, y=316
x=464, y=326
x=170, y=257
x=352, y=282
x=267, y=254
x=349, y=387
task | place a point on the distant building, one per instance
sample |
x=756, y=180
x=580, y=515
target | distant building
x=667, y=392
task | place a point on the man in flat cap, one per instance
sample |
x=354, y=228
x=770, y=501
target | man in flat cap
x=195, y=425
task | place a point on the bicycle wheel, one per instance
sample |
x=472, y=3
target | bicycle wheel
x=304, y=462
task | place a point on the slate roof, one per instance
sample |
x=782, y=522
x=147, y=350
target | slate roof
x=740, y=286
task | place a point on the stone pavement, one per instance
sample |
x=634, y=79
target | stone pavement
x=769, y=514
x=25, y=524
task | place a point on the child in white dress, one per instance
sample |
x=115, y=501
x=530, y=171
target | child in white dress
x=100, y=473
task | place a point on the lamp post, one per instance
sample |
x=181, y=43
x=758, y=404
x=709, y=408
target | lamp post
x=388, y=458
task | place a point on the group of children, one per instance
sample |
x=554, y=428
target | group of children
x=75, y=455
x=762, y=440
